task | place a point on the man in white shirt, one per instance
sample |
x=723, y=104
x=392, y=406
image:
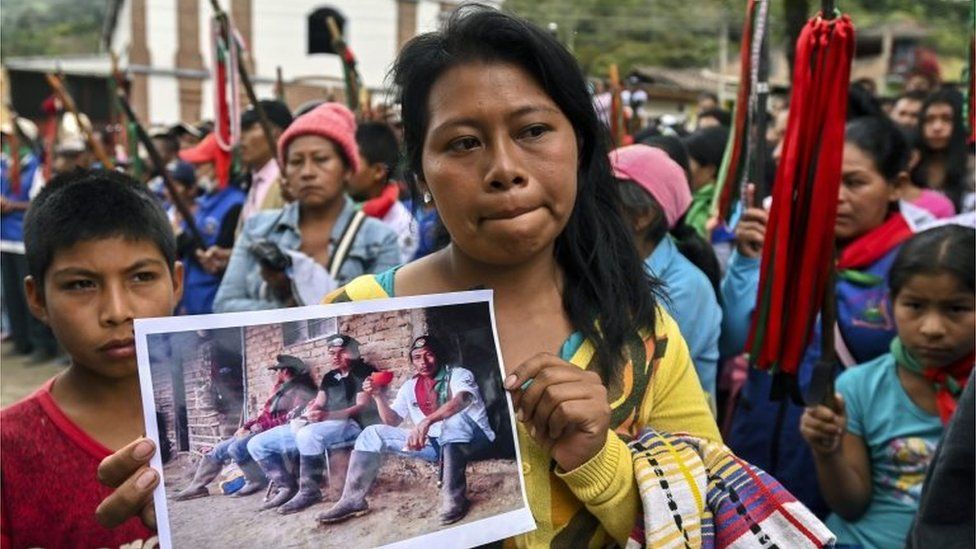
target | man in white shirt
x=449, y=420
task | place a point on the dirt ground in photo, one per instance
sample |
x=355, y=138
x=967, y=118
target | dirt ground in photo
x=404, y=502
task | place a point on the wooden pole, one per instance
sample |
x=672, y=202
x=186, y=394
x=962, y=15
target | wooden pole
x=69, y=103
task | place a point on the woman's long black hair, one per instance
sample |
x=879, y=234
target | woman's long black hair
x=953, y=157
x=607, y=294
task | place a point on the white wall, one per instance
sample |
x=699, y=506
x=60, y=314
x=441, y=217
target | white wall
x=123, y=34
x=161, y=33
x=278, y=37
x=279, y=34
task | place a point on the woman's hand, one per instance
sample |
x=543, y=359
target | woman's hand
x=823, y=427
x=128, y=472
x=564, y=407
x=750, y=232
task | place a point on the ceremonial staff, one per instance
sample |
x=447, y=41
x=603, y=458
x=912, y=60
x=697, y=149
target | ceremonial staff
x=225, y=27
x=797, y=274
x=160, y=166
x=351, y=73
x=59, y=90
x=119, y=83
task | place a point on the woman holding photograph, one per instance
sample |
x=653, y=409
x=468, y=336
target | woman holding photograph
x=500, y=130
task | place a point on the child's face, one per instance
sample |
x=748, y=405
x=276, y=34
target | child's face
x=92, y=293
x=936, y=319
x=500, y=159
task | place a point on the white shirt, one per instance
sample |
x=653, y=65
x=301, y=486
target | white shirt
x=460, y=381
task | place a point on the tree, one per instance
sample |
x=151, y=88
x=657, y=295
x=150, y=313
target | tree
x=684, y=33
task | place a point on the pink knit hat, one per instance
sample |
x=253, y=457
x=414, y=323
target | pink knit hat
x=656, y=173
x=330, y=120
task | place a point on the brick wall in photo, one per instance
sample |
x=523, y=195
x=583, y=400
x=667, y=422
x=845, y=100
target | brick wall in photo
x=384, y=340
x=203, y=418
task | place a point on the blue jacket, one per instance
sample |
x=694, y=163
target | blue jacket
x=374, y=250
x=199, y=286
x=12, y=224
x=692, y=303
x=865, y=319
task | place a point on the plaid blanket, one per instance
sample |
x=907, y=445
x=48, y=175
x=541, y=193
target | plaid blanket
x=697, y=493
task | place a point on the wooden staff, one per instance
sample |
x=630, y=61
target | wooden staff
x=225, y=29
x=617, y=128
x=279, y=85
x=58, y=86
x=352, y=78
x=160, y=166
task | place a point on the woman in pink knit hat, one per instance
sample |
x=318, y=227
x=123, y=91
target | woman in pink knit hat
x=295, y=255
x=656, y=197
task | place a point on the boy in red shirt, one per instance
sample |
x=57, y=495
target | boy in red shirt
x=100, y=254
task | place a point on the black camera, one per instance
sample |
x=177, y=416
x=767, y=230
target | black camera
x=270, y=255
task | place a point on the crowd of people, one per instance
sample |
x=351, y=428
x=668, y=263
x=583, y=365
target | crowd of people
x=622, y=304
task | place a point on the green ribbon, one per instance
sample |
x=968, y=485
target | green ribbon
x=905, y=358
x=860, y=278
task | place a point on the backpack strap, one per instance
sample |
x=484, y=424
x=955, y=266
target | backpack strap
x=345, y=243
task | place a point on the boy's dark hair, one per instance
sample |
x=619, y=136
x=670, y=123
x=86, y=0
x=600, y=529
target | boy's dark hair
x=861, y=102
x=169, y=140
x=90, y=205
x=946, y=249
x=914, y=95
x=723, y=116
x=707, y=145
x=675, y=149
x=954, y=155
x=608, y=296
x=881, y=139
x=378, y=144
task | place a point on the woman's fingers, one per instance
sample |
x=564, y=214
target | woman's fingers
x=563, y=405
x=120, y=466
x=526, y=400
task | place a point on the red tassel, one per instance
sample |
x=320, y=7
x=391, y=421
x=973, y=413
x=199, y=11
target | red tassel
x=222, y=163
x=740, y=132
x=798, y=256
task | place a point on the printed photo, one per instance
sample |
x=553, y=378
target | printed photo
x=350, y=425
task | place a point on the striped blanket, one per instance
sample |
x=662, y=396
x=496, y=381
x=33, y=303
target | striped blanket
x=697, y=493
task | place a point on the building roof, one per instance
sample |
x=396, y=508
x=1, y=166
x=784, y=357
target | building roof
x=78, y=65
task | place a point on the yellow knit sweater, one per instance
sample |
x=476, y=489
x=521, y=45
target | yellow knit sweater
x=597, y=504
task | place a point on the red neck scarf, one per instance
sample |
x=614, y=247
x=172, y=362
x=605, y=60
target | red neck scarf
x=870, y=247
x=949, y=383
x=378, y=207
x=426, y=393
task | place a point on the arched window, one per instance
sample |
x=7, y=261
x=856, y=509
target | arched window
x=319, y=37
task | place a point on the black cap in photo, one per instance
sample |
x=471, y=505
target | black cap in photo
x=342, y=340
x=289, y=362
